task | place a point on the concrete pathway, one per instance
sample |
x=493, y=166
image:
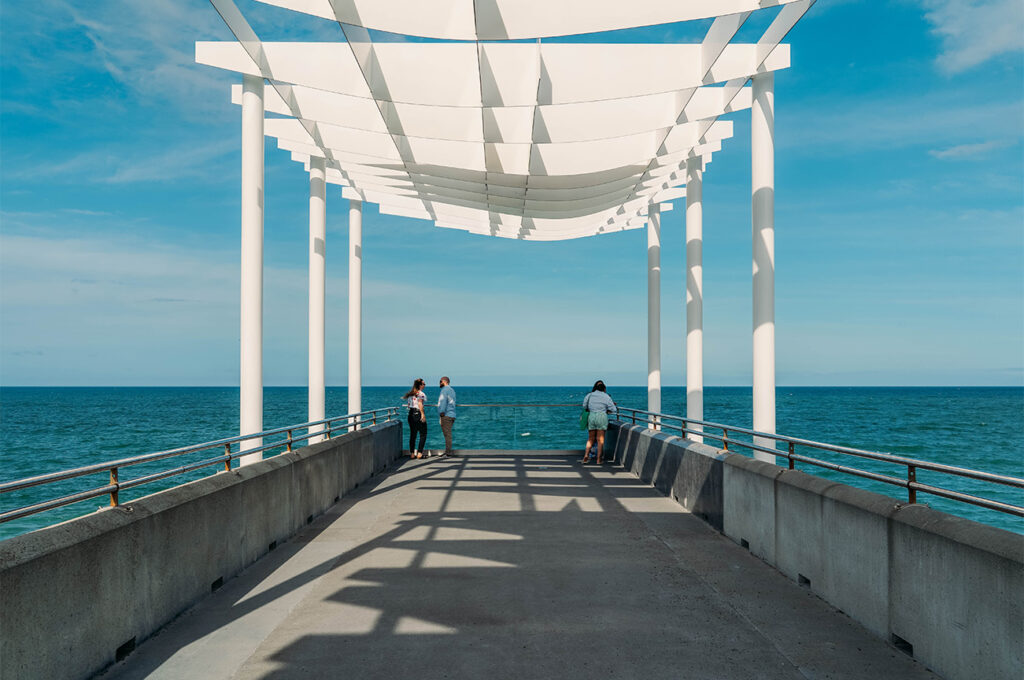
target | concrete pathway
x=512, y=565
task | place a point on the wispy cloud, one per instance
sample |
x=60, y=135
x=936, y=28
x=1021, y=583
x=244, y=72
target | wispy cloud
x=969, y=151
x=146, y=48
x=121, y=165
x=889, y=122
x=974, y=31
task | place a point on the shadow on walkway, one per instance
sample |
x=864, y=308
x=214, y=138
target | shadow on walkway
x=512, y=565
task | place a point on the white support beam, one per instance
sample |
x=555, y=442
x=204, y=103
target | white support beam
x=251, y=330
x=317, y=289
x=695, y=294
x=763, y=232
x=355, y=306
x=654, y=308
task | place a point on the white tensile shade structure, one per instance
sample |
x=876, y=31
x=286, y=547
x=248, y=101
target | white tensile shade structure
x=527, y=140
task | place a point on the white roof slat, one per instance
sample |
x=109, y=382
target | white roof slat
x=514, y=19
x=434, y=74
x=446, y=74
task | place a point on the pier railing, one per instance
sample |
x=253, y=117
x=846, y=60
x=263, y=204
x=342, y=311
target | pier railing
x=282, y=438
x=726, y=436
x=794, y=450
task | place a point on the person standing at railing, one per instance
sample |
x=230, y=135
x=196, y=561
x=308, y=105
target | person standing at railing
x=414, y=399
x=446, y=413
x=599, y=405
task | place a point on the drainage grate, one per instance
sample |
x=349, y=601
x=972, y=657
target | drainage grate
x=901, y=644
x=124, y=650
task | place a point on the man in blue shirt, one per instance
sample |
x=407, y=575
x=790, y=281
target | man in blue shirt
x=446, y=411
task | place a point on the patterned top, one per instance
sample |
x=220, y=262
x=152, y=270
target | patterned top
x=416, y=400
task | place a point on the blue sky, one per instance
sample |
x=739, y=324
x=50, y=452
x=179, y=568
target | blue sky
x=899, y=220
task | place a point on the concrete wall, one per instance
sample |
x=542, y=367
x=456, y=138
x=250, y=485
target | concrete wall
x=72, y=594
x=951, y=588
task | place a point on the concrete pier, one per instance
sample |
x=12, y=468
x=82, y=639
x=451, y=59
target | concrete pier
x=512, y=565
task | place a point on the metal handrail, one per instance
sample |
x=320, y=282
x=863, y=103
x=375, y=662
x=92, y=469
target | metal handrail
x=912, y=465
x=519, y=405
x=351, y=421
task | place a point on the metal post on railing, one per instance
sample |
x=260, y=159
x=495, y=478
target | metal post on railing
x=725, y=439
x=792, y=463
x=113, y=493
x=329, y=429
x=288, y=446
x=227, y=463
x=911, y=480
x=374, y=417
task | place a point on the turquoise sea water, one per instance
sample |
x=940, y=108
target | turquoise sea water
x=48, y=429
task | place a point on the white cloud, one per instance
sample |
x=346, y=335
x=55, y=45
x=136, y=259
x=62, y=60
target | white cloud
x=974, y=31
x=126, y=165
x=968, y=151
x=146, y=47
x=884, y=122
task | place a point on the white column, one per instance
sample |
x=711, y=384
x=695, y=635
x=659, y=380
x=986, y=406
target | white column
x=355, y=306
x=763, y=221
x=654, y=308
x=251, y=346
x=317, y=287
x=695, y=294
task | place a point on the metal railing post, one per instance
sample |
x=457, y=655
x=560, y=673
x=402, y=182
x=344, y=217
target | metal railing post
x=227, y=463
x=288, y=446
x=911, y=479
x=113, y=493
x=725, y=439
x=792, y=463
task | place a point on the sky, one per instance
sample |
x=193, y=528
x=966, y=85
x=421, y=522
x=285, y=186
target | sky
x=899, y=220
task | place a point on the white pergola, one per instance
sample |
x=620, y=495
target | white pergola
x=528, y=140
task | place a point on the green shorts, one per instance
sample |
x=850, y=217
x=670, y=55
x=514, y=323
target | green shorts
x=597, y=421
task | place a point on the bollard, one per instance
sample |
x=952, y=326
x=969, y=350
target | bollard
x=113, y=493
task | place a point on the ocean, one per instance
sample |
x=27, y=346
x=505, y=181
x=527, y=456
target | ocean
x=46, y=429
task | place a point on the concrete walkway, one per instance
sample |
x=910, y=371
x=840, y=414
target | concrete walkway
x=512, y=565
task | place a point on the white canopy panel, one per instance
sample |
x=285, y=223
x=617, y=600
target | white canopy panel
x=522, y=140
x=516, y=19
